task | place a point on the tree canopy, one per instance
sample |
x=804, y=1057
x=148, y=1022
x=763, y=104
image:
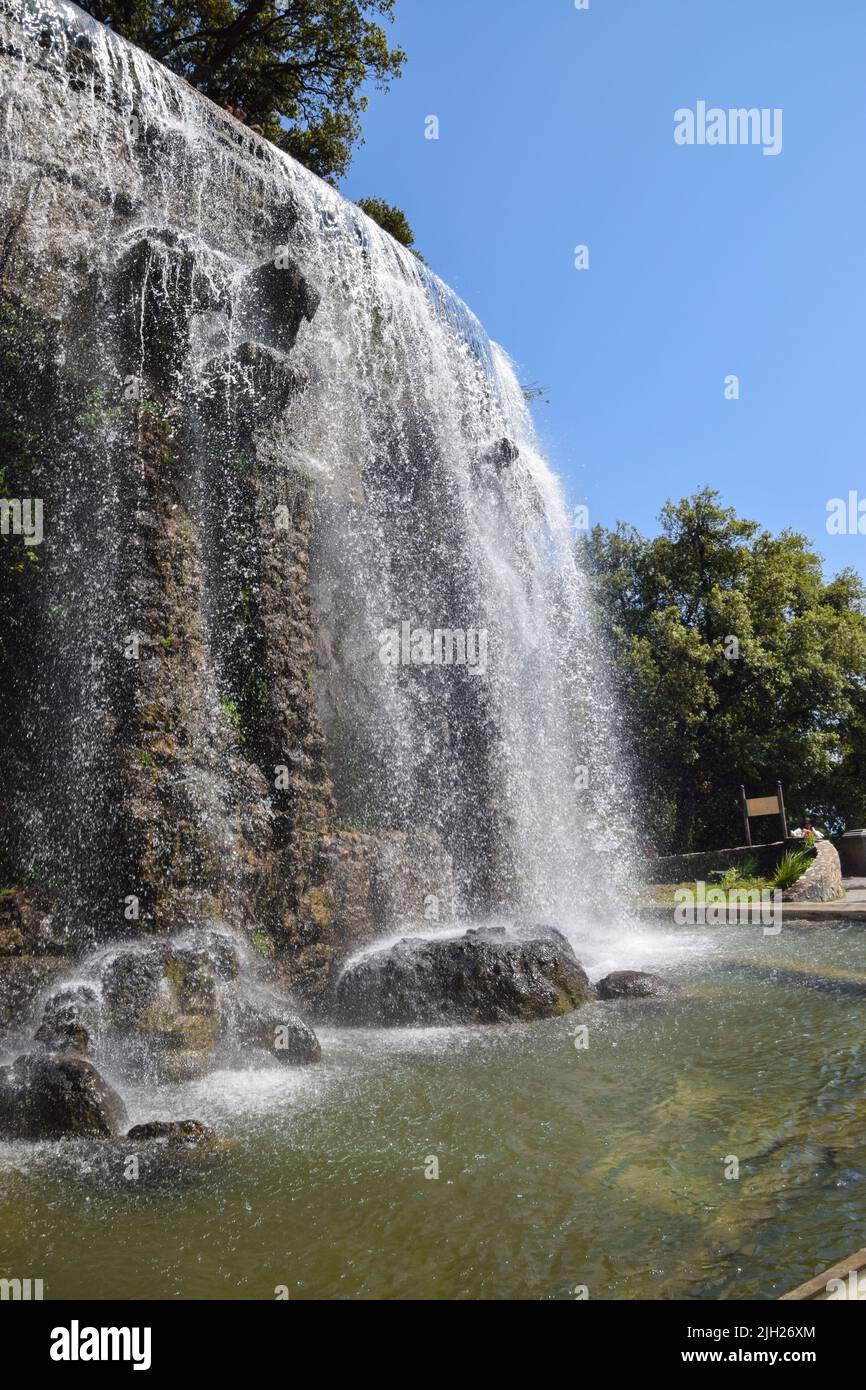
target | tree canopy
x=297, y=68
x=393, y=220
x=739, y=663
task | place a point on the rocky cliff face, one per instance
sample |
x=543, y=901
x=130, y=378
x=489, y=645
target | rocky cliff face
x=301, y=649
x=198, y=788
x=164, y=763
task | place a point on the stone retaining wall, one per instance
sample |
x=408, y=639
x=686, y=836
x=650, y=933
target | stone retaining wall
x=689, y=868
x=822, y=881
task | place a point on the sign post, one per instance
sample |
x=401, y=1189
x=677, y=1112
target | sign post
x=782, y=811
x=745, y=805
x=763, y=806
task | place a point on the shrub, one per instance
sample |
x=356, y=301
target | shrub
x=392, y=220
x=790, y=868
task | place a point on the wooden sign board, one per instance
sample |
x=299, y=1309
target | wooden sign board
x=763, y=806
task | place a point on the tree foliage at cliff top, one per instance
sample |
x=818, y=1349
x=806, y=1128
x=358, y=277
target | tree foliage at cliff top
x=300, y=62
x=393, y=220
x=790, y=705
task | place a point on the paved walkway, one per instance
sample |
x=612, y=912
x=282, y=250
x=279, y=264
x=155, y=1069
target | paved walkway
x=851, y=908
x=855, y=890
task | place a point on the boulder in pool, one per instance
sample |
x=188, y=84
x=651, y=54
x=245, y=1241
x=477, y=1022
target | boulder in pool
x=635, y=984
x=172, y=995
x=269, y=1024
x=192, y=1133
x=488, y=975
x=44, y=1096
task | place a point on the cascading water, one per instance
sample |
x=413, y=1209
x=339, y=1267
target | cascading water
x=305, y=568
x=284, y=475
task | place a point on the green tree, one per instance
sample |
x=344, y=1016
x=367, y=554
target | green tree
x=297, y=68
x=739, y=664
x=393, y=220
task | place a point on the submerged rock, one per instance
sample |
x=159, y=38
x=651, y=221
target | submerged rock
x=51, y=1097
x=192, y=1132
x=486, y=976
x=635, y=984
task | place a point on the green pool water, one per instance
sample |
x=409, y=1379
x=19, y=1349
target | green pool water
x=559, y=1167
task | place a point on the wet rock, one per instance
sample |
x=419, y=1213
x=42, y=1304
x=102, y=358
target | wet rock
x=181, y=1007
x=273, y=301
x=635, y=984
x=12, y=941
x=222, y=953
x=486, y=976
x=14, y=915
x=526, y=928
x=259, y=381
x=148, y=1002
x=410, y=873
x=131, y=988
x=176, y=1032
x=502, y=454
x=376, y=882
x=69, y=1019
x=191, y=1132
x=160, y=280
x=22, y=978
x=276, y=1029
x=184, y=1064
x=24, y=930
x=170, y=993
x=192, y=981
x=51, y=1097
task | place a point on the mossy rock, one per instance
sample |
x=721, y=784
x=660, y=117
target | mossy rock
x=51, y=1097
x=188, y=1133
x=488, y=975
x=198, y=1032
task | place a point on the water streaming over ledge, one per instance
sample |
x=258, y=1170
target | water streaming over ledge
x=289, y=351
x=434, y=509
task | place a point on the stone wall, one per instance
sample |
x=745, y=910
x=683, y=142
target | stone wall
x=822, y=881
x=689, y=868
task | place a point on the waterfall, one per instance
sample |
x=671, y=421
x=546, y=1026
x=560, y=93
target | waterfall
x=227, y=358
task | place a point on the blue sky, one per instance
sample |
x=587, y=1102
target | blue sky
x=556, y=129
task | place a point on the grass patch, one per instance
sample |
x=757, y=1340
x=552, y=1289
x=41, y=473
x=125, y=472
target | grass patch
x=665, y=893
